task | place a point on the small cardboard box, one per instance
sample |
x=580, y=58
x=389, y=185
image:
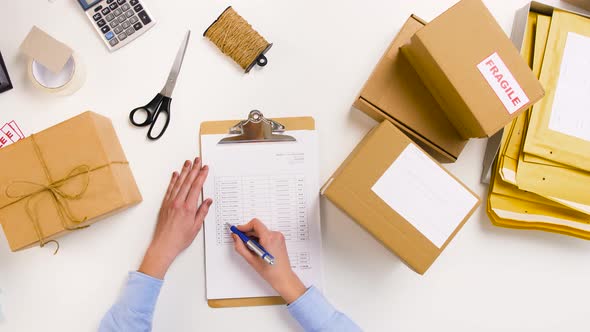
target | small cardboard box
x=394, y=92
x=402, y=196
x=473, y=70
x=63, y=178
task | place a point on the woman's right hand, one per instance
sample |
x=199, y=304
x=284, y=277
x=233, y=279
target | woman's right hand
x=280, y=276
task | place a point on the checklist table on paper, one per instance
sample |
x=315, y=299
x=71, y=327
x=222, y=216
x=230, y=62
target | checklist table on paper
x=277, y=183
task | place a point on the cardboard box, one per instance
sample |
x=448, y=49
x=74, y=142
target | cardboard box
x=517, y=36
x=394, y=92
x=63, y=178
x=472, y=69
x=402, y=196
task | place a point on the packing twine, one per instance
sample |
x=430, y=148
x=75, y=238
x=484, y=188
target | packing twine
x=236, y=38
x=59, y=197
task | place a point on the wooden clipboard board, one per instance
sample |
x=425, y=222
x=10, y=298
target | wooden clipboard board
x=222, y=127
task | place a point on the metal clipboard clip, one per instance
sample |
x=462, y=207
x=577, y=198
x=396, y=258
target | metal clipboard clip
x=257, y=129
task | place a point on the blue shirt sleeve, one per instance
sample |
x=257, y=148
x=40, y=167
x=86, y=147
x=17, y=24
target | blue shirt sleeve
x=134, y=310
x=315, y=314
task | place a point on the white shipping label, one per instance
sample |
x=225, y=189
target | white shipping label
x=424, y=194
x=503, y=83
x=570, y=113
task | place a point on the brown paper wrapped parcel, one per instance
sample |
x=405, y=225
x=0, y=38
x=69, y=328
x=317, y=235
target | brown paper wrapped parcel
x=62, y=179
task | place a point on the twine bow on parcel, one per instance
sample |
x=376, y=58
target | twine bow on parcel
x=27, y=190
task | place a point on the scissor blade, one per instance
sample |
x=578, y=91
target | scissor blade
x=171, y=82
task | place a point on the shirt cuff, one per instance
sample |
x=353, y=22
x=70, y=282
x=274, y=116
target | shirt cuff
x=311, y=309
x=141, y=292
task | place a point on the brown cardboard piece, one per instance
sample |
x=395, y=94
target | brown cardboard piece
x=46, y=50
x=350, y=188
x=87, y=140
x=446, y=54
x=394, y=92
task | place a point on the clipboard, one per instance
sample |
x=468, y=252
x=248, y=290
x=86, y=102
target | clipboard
x=255, y=129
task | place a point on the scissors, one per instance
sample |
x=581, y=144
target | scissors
x=161, y=102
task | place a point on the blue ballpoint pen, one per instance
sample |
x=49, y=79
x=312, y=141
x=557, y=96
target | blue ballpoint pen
x=253, y=245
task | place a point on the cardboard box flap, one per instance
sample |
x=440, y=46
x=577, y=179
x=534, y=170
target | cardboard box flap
x=395, y=92
x=388, y=93
x=46, y=50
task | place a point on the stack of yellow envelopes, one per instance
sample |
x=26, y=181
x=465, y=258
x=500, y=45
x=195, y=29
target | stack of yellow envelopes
x=541, y=177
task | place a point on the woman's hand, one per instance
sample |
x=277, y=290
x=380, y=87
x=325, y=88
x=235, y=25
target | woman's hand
x=180, y=219
x=280, y=275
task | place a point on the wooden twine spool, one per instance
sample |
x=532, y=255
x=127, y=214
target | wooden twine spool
x=236, y=38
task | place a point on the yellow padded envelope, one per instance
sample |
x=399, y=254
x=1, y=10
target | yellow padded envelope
x=513, y=208
x=558, y=182
x=541, y=140
x=536, y=39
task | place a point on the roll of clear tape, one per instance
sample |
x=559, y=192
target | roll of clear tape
x=69, y=80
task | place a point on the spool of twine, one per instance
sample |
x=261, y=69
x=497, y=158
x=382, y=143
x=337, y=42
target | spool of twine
x=236, y=38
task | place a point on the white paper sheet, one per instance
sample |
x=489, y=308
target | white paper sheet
x=425, y=195
x=570, y=112
x=277, y=183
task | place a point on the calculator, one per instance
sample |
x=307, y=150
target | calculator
x=118, y=22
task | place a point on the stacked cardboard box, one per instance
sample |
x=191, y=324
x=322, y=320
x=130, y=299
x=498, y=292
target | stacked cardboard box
x=439, y=83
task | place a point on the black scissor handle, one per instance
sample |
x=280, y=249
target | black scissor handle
x=149, y=110
x=148, y=117
x=164, y=108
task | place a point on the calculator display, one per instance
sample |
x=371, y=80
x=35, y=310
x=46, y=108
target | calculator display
x=88, y=3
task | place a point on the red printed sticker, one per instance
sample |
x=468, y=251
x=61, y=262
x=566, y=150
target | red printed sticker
x=503, y=83
x=4, y=140
x=10, y=133
x=16, y=128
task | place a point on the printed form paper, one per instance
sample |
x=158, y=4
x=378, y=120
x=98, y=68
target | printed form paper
x=570, y=113
x=277, y=183
x=425, y=195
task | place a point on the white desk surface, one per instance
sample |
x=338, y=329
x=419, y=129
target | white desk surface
x=488, y=278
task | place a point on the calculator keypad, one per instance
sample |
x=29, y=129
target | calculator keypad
x=143, y=16
x=117, y=20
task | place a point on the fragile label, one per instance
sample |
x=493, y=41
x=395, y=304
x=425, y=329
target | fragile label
x=10, y=133
x=503, y=83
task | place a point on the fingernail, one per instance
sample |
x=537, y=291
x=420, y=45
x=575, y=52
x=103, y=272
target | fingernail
x=197, y=160
x=187, y=163
x=209, y=201
x=205, y=168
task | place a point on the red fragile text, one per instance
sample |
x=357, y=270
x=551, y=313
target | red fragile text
x=504, y=84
